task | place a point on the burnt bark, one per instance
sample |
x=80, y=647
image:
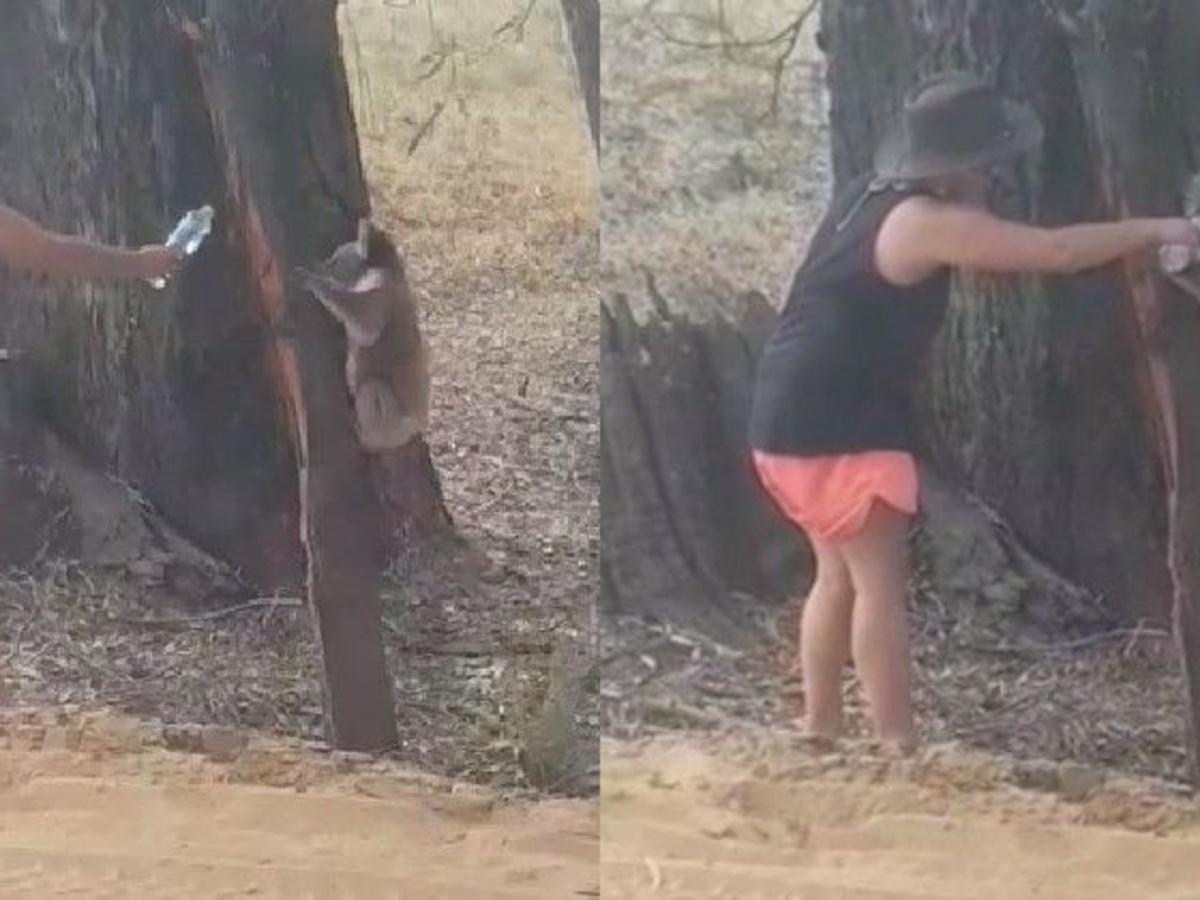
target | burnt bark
x=582, y=19
x=1136, y=67
x=687, y=537
x=273, y=78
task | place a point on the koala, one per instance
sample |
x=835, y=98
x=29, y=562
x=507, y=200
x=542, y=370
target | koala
x=363, y=285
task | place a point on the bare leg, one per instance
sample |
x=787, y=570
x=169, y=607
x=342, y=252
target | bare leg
x=825, y=641
x=878, y=563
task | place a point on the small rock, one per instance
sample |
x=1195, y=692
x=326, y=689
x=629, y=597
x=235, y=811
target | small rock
x=221, y=743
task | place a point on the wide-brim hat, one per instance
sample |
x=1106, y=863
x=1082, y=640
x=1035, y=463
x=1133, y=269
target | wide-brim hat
x=952, y=123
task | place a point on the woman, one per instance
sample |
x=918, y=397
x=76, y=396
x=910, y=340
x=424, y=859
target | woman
x=831, y=427
x=26, y=246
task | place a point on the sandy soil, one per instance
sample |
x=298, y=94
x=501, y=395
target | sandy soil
x=98, y=806
x=759, y=817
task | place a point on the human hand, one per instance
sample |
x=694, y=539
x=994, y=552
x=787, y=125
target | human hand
x=1179, y=232
x=157, y=261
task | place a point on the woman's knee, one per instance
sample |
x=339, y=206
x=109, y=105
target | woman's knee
x=832, y=577
x=877, y=557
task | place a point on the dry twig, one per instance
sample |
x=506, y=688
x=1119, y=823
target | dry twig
x=214, y=615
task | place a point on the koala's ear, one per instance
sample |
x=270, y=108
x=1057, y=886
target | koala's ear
x=364, y=237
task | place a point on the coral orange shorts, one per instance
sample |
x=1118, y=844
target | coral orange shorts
x=830, y=497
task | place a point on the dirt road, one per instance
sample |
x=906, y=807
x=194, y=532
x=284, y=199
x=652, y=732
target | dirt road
x=99, y=807
x=757, y=818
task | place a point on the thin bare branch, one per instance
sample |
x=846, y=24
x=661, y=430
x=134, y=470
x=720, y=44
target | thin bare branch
x=783, y=42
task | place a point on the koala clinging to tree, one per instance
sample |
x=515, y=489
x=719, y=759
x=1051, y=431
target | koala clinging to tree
x=363, y=285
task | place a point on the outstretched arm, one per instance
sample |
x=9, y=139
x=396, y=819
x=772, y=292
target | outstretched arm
x=922, y=235
x=26, y=245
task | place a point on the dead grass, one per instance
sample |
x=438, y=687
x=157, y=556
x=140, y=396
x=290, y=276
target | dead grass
x=502, y=183
x=1113, y=705
x=700, y=184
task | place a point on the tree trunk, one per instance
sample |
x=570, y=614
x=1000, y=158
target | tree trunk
x=1034, y=395
x=186, y=394
x=1137, y=69
x=178, y=393
x=290, y=173
x=582, y=18
x=687, y=537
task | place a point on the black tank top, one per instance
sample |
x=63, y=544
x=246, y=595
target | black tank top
x=838, y=374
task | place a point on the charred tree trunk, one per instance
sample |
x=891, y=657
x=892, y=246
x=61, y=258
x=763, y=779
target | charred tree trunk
x=176, y=392
x=583, y=28
x=1137, y=69
x=687, y=537
x=271, y=76
x=1034, y=397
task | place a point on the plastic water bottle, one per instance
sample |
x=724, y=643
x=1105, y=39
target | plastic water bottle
x=188, y=235
x=1175, y=258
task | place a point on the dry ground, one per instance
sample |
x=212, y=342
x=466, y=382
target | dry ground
x=103, y=806
x=755, y=815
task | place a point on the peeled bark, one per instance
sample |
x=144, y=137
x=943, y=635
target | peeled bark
x=1137, y=69
x=285, y=206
